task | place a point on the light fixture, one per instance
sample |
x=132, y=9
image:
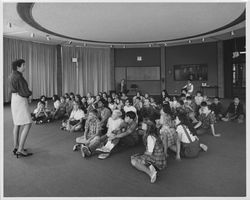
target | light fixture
x=47, y=37
x=232, y=33
x=203, y=39
x=70, y=42
x=150, y=45
x=32, y=35
x=9, y=25
x=84, y=44
x=189, y=41
x=124, y=46
x=111, y=46
x=165, y=44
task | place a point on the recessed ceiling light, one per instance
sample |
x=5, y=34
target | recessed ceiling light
x=165, y=44
x=203, y=39
x=32, y=35
x=47, y=37
x=232, y=33
x=189, y=41
x=124, y=46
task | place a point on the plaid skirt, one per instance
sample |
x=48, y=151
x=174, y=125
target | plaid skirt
x=170, y=135
x=157, y=159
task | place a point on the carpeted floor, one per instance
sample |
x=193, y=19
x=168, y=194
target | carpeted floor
x=56, y=171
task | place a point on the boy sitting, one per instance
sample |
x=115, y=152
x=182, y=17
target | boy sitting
x=216, y=107
x=235, y=111
x=40, y=115
x=91, y=137
x=206, y=120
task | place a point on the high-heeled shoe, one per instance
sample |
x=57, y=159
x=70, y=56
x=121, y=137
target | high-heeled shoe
x=15, y=150
x=18, y=154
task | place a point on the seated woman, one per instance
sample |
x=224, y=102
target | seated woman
x=61, y=111
x=184, y=138
x=40, y=115
x=75, y=121
x=206, y=120
x=91, y=137
x=153, y=158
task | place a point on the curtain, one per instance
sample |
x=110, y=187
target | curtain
x=91, y=73
x=40, y=62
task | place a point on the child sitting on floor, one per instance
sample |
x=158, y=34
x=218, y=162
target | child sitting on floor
x=91, y=137
x=153, y=157
x=235, y=111
x=216, y=107
x=113, y=125
x=75, y=121
x=40, y=115
x=206, y=120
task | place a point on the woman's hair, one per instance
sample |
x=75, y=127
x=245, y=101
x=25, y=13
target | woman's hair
x=17, y=63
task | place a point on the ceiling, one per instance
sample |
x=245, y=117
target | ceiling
x=119, y=24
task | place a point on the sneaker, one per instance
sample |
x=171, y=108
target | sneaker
x=103, y=156
x=153, y=174
x=85, y=151
x=103, y=149
x=75, y=147
x=204, y=147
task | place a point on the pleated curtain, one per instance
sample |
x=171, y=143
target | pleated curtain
x=40, y=62
x=91, y=73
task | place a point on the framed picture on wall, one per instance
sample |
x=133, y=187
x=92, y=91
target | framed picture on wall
x=194, y=72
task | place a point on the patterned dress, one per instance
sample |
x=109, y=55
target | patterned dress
x=207, y=120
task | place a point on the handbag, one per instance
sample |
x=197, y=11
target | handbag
x=192, y=149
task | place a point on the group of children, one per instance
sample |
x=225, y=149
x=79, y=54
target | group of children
x=108, y=121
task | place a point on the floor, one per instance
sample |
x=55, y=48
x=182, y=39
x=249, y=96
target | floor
x=56, y=171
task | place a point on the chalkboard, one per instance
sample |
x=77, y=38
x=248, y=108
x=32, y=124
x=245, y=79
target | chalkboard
x=194, y=72
x=143, y=73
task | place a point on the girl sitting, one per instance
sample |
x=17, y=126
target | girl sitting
x=154, y=157
x=184, y=138
x=75, y=121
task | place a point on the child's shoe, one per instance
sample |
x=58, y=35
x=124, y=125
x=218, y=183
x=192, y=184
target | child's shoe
x=204, y=147
x=103, y=156
x=153, y=174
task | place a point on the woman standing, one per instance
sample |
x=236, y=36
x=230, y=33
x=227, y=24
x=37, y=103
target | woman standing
x=19, y=107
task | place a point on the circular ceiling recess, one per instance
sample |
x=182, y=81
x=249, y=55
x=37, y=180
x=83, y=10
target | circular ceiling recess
x=134, y=22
